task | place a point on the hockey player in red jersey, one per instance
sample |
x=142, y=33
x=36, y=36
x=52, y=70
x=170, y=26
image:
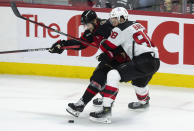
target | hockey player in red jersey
x=97, y=30
x=131, y=36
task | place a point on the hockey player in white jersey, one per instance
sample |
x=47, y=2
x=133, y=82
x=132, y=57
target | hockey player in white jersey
x=144, y=63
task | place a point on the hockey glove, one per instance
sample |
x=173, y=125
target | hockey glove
x=104, y=57
x=88, y=36
x=56, y=47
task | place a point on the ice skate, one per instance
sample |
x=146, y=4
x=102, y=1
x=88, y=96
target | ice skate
x=97, y=102
x=139, y=104
x=75, y=108
x=102, y=116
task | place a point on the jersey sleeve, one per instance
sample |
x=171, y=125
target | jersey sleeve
x=116, y=37
x=113, y=41
x=87, y=37
x=74, y=44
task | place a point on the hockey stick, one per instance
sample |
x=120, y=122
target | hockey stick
x=17, y=13
x=38, y=49
x=25, y=50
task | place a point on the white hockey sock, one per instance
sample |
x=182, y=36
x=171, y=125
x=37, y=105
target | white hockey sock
x=142, y=93
x=107, y=101
x=111, y=89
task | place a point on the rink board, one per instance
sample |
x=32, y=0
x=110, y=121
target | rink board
x=166, y=79
x=171, y=33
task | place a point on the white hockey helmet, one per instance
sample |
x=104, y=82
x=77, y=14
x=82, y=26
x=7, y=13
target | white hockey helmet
x=118, y=12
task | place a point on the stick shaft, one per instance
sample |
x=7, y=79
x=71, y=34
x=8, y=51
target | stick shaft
x=25, y=50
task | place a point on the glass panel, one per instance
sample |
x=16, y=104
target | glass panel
x=173, y=6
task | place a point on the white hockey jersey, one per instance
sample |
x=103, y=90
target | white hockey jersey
x=133, y=39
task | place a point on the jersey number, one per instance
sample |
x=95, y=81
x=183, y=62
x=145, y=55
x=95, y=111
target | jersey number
x=113, y=35
x=141, y=37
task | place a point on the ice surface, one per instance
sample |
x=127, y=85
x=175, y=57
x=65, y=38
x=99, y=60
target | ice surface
x=34, y=103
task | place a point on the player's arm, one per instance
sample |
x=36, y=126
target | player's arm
x=110, y=45
x=61, y=45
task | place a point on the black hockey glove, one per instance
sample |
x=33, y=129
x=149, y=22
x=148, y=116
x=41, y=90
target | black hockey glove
x=56, y=47
x=88, y=36
x=104, y=57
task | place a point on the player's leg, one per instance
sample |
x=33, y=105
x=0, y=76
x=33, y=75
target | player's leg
x=148, y=65
x=140, y=71
x=98, y=101
x=124, y=72
x=109, y=93
x=96, y=82
x=142, y=93
x=76, y=108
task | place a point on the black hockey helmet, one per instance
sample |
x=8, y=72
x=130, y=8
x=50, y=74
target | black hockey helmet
x=88, y=16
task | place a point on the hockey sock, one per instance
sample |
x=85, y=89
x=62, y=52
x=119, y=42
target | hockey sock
x=142, y=94
x=101, y=92
x=111, y=89
x=109, y=94
x=90, y=92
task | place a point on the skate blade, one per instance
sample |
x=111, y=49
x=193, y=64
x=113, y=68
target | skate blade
x=140, y=109
x=101, y=120
x=72, y=112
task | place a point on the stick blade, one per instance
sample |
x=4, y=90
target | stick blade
x=15, y=10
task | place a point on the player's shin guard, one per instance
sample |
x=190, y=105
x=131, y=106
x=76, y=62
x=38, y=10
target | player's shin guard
x=91, y=91
x=142, y=94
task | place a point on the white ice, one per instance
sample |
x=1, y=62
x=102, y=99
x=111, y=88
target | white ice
x=34, y=103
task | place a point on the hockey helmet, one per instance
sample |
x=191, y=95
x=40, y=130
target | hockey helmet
x=119, y=12
x=88, y=16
